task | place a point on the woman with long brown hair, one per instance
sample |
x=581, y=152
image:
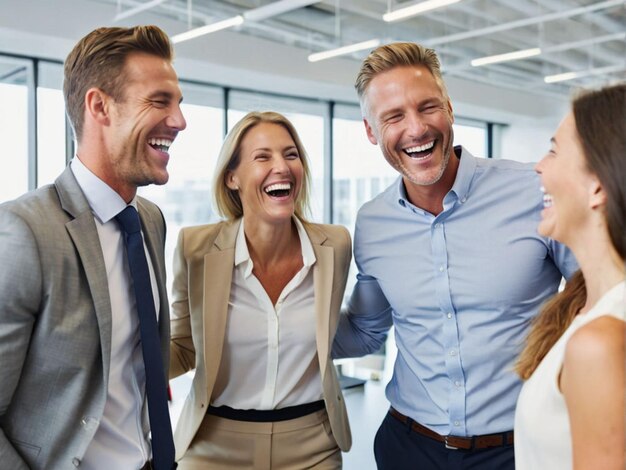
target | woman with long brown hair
x=571, y=409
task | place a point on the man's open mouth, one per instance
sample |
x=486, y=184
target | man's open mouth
x=420, y=151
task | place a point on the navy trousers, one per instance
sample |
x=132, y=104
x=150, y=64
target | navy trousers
x=397, y=447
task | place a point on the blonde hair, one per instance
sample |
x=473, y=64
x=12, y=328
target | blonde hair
x=397, y=54
x=227, y=200
x=98, y=60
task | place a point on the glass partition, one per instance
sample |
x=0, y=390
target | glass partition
x=15, y=76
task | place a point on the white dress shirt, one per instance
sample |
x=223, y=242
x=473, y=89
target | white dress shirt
x=269, y=359
x=121, y=440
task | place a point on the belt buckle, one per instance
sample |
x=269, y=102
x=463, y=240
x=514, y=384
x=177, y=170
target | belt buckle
x=448, y=446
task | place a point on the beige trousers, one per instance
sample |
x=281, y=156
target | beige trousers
x=296, y=444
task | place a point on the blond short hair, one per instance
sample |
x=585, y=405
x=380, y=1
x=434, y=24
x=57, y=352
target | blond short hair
x=98, y=60
x=227, y=200
x=397, y=54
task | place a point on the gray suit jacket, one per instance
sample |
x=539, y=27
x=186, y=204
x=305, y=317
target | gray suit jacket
x=203, y=267
x=55, y=324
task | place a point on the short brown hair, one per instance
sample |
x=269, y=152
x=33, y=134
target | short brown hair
x=227, y=200
x=98, y=60
x=398, y=54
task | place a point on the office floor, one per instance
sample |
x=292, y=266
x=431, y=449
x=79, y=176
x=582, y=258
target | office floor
x=366, y=405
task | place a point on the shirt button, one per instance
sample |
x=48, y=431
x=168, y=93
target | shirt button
x=449, y=315
x=464, y=199
x=441, y=268
x=457, y=383
x=437, y=225
x=75, y=462
x=456, y=423
x=452, y=352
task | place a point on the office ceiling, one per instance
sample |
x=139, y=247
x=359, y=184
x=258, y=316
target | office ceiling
x=587, y=37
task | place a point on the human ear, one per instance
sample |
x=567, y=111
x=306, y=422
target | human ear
x=231, y=181
x=450, y=110
x=597, y=194
x=97, y=106
x=370, y=132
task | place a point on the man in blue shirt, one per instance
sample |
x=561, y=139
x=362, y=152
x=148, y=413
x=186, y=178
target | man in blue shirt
x=450, y=256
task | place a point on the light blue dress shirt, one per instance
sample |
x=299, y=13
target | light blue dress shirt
x=460, y=289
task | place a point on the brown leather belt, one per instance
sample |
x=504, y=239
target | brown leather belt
x=457, y=442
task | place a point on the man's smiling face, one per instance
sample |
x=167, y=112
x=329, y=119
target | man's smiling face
x=410, y=117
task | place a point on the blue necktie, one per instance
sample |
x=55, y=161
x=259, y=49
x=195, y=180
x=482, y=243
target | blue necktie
x=156, y=389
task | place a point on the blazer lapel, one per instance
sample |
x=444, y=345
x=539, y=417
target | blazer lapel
x=83, y=232
x=323, y=271
x=218, y=271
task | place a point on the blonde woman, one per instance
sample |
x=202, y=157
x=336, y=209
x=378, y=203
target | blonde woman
x=571, y=410
x=256, y=302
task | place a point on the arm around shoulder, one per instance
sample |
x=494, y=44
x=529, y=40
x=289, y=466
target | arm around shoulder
x=593, y=382
x=364, y=324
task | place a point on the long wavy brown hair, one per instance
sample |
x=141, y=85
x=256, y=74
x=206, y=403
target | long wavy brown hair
x=600, y=118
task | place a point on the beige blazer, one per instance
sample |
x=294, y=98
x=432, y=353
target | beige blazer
x=203, y=268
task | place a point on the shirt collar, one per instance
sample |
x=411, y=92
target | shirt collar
x=105, y=203
x=465, y=173
x=242, y=255
x=462, y=182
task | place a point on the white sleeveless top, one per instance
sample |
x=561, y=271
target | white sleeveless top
x=542, y=432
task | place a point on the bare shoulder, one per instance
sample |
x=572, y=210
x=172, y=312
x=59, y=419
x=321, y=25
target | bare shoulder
x=600, y=342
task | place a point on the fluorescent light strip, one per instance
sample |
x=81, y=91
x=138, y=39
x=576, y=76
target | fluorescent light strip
x=517, y=55
x=276, y=8
x=417, y=9
x=207, y=29
x=344, y=50
x=561, y=77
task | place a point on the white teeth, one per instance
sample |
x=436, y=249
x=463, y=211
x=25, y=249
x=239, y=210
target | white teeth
x=420, y=148
x=160, y=142
x=547, y=200
x=278, y=187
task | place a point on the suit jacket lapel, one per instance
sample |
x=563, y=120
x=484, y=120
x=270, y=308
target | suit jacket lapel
x=82, y=230
x=218, y=271
x=323, y=271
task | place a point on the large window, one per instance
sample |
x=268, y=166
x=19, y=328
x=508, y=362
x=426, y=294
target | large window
x=360, y=171
x=52, y=133
x=472, y=135
x=15, y=76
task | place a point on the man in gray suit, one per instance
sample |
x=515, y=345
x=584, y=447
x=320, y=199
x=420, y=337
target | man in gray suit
x=72, y=378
